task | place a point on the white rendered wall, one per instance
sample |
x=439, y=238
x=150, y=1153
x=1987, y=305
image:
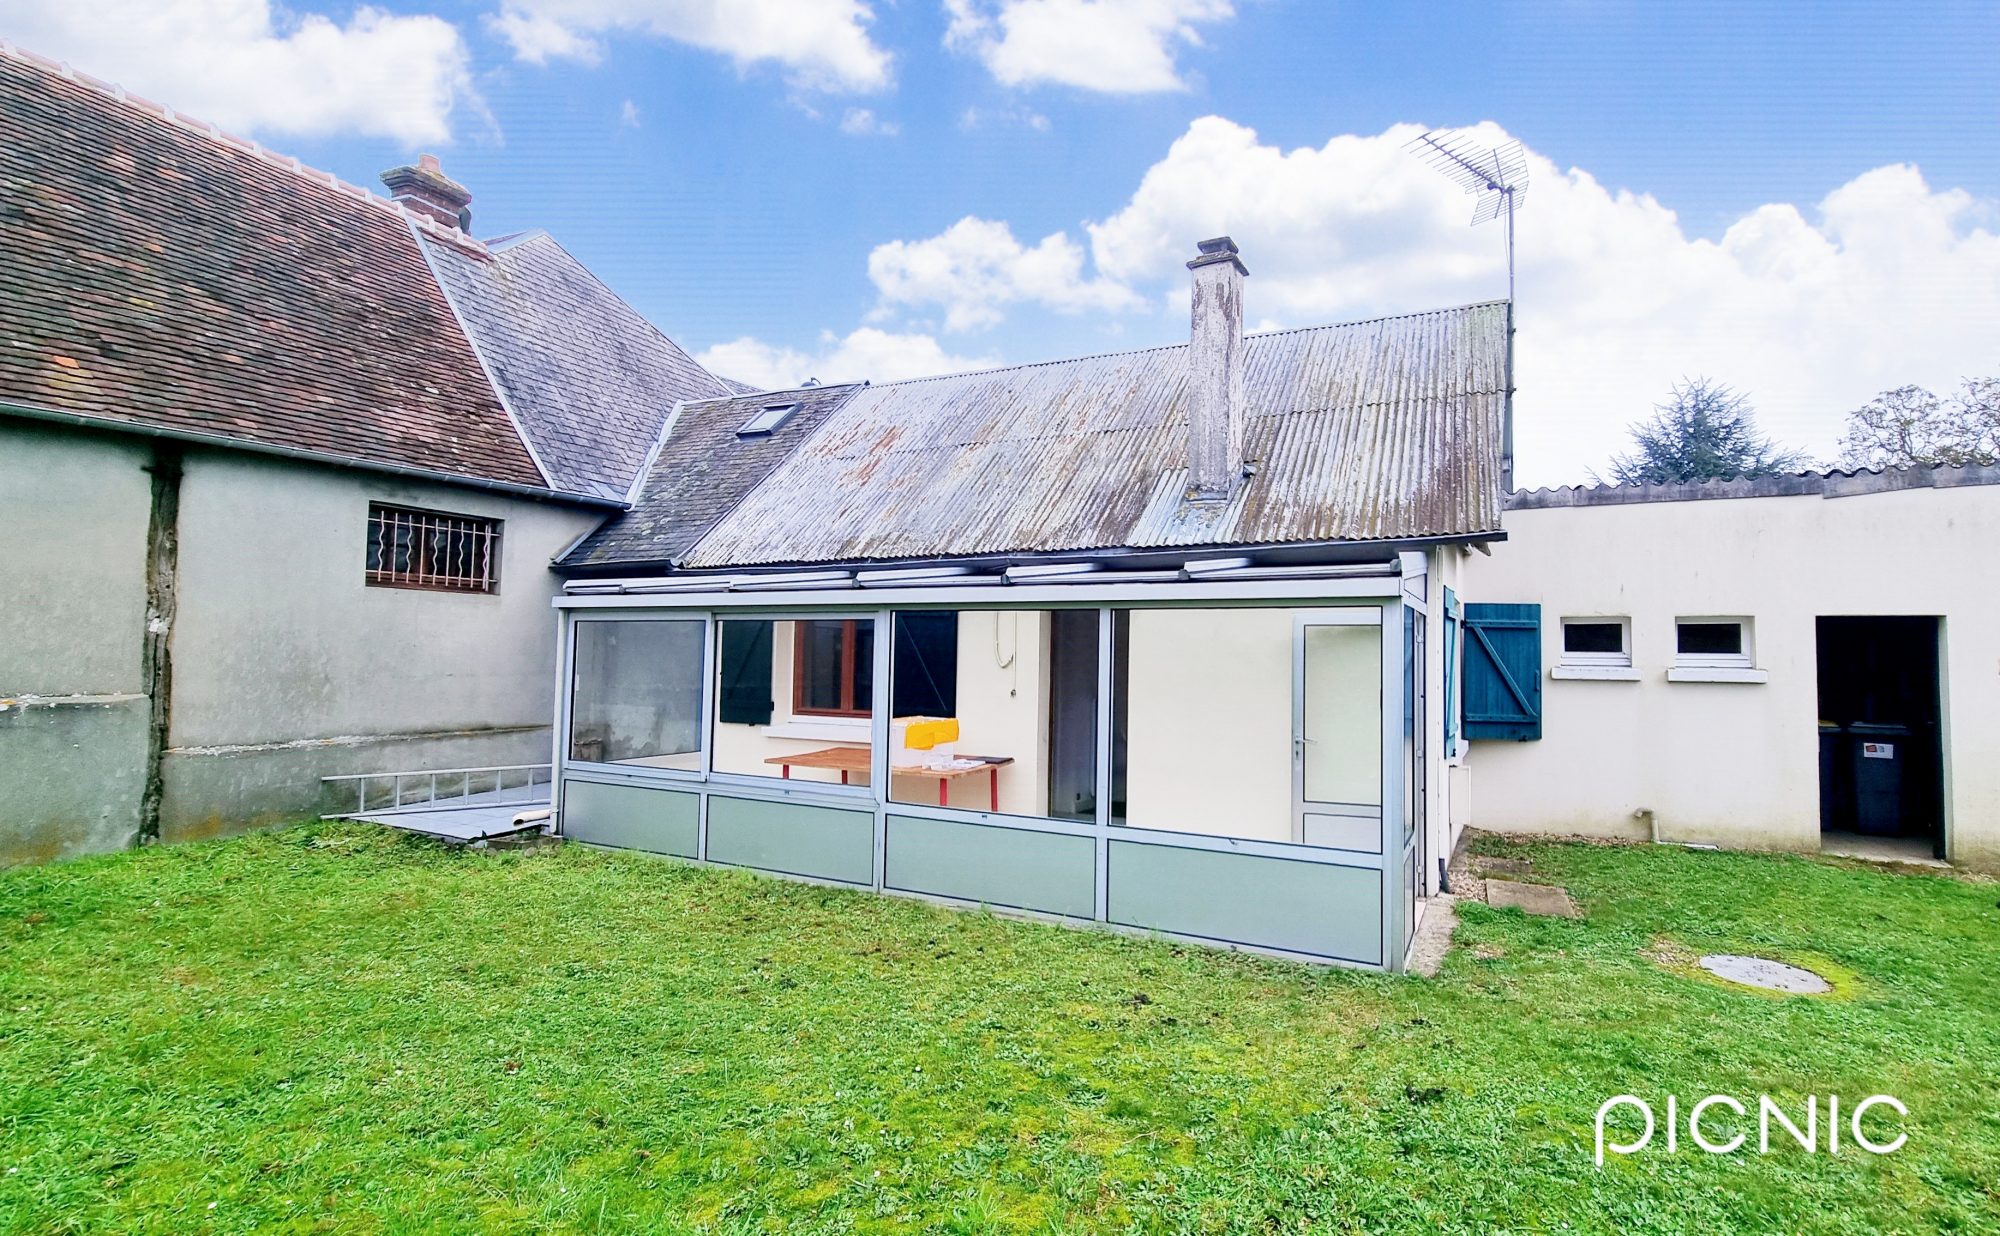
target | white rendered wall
x=1737, y=764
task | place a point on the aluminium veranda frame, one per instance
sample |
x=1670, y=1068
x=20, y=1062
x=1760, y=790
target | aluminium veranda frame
x=1387, y=595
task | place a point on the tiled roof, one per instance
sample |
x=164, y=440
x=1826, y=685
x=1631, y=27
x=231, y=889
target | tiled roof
x=1382, y=430
x=187, y=280
x=589, y=380
x=701, y=470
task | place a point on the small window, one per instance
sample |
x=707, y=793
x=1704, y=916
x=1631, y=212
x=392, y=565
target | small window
x=1596, y=641
x=429, y=549
x=1712, y=643
x=834, y=675
x=767, y=420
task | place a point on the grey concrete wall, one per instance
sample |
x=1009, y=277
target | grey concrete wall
x=289, y=667
x=286, y=666
x=72, y=600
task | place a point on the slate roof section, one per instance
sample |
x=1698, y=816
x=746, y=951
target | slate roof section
x=589, y=380
x=185, y=280
x=701, y=470
x=1385, y=430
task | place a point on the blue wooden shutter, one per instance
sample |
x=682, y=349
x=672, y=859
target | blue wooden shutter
x=1453, y=614
x=1503, y=672
x=745, y=681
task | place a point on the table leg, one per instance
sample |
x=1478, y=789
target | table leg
x=787, y=773
x=944, y=791
x=843, y=776
x=993, y=783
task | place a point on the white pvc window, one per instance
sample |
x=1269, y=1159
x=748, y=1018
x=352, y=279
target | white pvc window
x=1598, y=642
x=1712, y=643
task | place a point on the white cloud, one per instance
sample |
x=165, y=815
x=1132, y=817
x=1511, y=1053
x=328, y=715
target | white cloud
x=976, y=117
x=975, y=267
x=1810, y=312
x=241, y=65
x=628, y=114
x=861, y=122
x=866, y=354
x=1113, y=46
x=823, y=43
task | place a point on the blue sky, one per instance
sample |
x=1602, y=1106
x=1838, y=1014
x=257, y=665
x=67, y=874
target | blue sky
x=724, y=193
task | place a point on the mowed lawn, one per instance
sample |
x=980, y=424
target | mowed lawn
x=333, y=1028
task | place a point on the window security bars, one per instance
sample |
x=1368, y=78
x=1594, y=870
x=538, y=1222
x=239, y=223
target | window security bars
x=428, y=549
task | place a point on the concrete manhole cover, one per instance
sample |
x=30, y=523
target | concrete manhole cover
x=1765, y=973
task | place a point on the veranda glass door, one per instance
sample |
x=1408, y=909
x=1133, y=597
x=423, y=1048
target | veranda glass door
x=1337, y=729
x=1416, y=769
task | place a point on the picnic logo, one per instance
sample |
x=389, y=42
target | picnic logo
x=1768, y=1111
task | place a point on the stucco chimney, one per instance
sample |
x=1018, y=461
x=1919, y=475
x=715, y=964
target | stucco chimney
x=1215, y=371
x=428, y=191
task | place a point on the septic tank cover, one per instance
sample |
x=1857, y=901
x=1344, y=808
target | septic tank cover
x=1765, y=973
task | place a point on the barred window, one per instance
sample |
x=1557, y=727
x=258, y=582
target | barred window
x=429, y=549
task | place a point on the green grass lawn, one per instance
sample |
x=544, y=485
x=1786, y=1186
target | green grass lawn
x=336, y=1028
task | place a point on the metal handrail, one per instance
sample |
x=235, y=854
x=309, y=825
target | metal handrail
x=432, y=801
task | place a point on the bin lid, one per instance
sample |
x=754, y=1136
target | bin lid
x=1879, y=729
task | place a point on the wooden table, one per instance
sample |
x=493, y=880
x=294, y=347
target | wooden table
x=849, y=760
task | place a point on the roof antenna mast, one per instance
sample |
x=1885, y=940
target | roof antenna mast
x=1498, y=175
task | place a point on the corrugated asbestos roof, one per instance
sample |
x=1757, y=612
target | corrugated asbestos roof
x=700, y=471
x=1830, y=483
x=589, y=379
x=1382, y=430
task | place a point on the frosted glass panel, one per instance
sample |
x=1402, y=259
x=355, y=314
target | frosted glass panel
x=1343, y=714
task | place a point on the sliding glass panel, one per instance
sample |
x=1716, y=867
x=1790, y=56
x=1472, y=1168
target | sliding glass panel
x=794, y=698
x=996, y=710
x=1342, y=715
x=1202, y=727
x=636, y=693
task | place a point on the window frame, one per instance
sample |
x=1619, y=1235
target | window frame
x=1740, y=660
x=491, y=529
x=801, y=663
x=1622, y=659
x=768, y=420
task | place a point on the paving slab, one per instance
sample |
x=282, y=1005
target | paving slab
x=1549, y=900
x=1487, y=865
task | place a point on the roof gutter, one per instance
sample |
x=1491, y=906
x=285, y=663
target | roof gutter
x=113, y=424
x=1298, y=552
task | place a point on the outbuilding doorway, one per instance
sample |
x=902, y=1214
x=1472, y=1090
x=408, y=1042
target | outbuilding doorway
x=1881, y=768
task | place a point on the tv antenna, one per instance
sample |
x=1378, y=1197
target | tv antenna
x=1497, y=174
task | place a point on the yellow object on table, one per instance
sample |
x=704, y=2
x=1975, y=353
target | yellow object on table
x=924, y=735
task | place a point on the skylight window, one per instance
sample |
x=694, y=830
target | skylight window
x=767, y=420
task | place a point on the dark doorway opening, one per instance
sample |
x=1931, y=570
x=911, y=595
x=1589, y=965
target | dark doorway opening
x=1881, y=767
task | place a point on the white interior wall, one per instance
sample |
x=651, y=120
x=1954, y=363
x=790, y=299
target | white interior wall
x=1209, y=726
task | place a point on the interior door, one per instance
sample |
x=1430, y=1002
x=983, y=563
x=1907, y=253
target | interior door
x=1337, y=728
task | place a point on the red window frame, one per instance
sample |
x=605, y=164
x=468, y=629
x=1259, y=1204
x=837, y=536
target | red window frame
x=802, y=667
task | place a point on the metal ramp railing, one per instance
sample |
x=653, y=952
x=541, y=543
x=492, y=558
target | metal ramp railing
x=435, y=789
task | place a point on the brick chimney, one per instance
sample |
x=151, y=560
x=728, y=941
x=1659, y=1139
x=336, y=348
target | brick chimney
x=1215, y=372
x=428, y=191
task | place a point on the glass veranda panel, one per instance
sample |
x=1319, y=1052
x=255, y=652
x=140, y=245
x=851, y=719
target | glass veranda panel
x=794, y=698
x=996, y=710
x=635, y=694
x=1342, y=714
x=1255, y=723
x=1204, y=722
